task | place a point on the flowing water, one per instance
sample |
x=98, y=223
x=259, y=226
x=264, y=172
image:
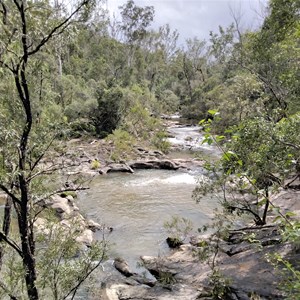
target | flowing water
x=137, y=205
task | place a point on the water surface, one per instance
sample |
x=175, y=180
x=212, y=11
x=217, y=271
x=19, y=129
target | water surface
x=137, y=205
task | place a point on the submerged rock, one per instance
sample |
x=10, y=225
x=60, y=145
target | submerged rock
x=174, y=242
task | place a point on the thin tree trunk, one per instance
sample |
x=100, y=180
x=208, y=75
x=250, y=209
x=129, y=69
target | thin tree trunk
x=6, y=225
x=264, y=218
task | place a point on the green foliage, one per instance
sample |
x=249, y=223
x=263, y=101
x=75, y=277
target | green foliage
x=123, y=144
x=290, y=274
x=160, y=142
x=95, y=164
x=222, y=43
x=60, y=262
x=207, y=251
x=245, y=165
x=135, y=20
x=287, y=268
x=85, y=80
x=169, y=101
x=219, y=285
x=109, y=111
x=178, y=228
x=166, y=278
x=81, y=127
x=139, y=117
x=262, y=148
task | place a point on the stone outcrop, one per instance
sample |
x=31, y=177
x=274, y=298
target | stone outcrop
x=241, y=260
x=69, y=220
x=154, y=164
x=129, y=167
x=116, y=168
x=122, y=266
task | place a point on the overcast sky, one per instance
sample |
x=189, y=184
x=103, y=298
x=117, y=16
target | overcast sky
x=199, y=17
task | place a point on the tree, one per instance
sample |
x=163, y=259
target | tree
x=260, y=157
x=271, y=54
x=109, y=111
x=135, y=20
x=27, y=27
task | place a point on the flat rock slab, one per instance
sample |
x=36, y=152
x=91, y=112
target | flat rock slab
x=142, y=292
x=116, y=168
x=154, y=164
x=248, y=270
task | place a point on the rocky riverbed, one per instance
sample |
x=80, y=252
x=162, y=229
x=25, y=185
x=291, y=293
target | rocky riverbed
x=242, y=262
x=242, y=268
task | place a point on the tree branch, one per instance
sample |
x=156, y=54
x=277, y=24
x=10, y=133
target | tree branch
x=258, y=219
x=11, y=243
x=59, y=191
x=51, y=169
x=56, y=28
x=9, y=193
x=42, y=155
x=74, y=290
x=7, y=291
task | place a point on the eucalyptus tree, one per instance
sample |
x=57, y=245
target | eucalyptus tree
x=135, y=21
x=26, y=29
x=134, y=25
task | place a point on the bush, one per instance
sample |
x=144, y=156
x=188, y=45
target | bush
x=178, y=228
x=80, y=128
x=123, y=144
x=160, y=142
x=109, y=112
x=95, y=164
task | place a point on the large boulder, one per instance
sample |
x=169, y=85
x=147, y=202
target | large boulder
x=122, y=266
x=143, y=292
x=154, y=164
x=60, y=205
x=86, y=237
x=116, y=168
x=94, y=226
x=70, y=221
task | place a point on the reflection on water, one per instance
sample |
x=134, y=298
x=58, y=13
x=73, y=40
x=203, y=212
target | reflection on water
x=137, y=205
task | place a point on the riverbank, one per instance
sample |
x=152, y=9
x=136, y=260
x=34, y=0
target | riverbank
x=240, y=266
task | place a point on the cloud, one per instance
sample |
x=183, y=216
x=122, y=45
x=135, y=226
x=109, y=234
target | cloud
x=199, y=17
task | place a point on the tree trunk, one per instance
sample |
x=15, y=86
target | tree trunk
x=27, y=242
x=6, y=225
x=264, y=218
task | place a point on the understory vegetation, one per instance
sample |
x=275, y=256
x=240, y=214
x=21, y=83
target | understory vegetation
x=70, y=71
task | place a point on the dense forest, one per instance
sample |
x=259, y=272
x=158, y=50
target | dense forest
x=75, y=72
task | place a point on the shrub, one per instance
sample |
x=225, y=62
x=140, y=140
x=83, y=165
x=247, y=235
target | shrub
x=123, y=144
x=160, y=142
x=95, y=164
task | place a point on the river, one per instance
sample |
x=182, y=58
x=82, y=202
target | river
x=137, y=205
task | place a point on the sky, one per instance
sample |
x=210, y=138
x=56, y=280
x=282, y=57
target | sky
x=198, y=17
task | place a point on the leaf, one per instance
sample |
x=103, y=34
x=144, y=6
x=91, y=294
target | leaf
x=240, y=162
x=220, y=138
x=290, y=214
x=262, y=202
x=213, y=112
